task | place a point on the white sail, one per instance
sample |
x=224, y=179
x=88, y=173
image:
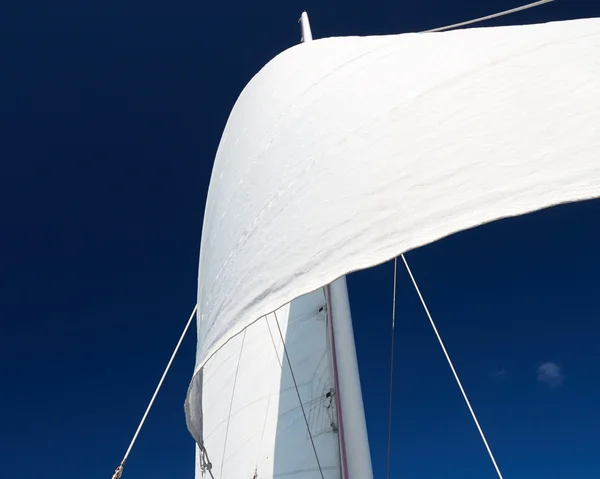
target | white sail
x=252, y=418
x=343, y=153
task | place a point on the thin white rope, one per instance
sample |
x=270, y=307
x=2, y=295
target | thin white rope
x=389, y=438
x=490, y=17
x=119, y=470
x=462, y=390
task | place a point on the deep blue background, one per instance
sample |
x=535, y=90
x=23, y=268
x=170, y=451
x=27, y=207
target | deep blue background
x=110, y=115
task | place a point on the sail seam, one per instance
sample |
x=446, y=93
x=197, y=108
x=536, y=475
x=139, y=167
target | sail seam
x=462, y=390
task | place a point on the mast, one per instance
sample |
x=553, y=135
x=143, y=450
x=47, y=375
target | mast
x=305, y=25
x=354, y=442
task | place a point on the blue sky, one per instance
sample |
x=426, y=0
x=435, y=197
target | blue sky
x=110, y=115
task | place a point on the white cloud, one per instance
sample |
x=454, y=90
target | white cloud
x=550, y=374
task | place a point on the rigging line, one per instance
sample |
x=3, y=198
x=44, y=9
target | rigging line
x=298, y=393
x=389, y=438
x=462, y=390
x=490, y=17
x=119, y=470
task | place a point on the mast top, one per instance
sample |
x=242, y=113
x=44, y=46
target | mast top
x=305, y=25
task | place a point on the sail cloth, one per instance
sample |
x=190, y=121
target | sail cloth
x=250, y=415
x=345, y=152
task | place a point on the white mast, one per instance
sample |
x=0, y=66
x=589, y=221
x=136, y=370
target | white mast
x=305, y=25
x=354, y=443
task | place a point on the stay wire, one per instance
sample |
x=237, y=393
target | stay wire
x=490, y=17
x=462, y=390
x=119, y=470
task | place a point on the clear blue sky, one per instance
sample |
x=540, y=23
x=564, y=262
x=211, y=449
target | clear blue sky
x=110, y=114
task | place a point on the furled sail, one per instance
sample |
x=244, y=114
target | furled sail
x=345, y=152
